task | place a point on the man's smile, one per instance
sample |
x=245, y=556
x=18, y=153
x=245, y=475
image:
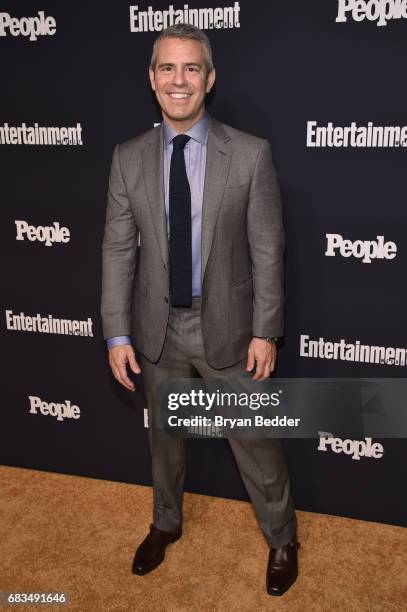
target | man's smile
x=179, y=95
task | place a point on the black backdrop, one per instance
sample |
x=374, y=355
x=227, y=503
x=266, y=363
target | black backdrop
x=285, y=65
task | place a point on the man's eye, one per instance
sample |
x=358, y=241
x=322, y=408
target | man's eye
x=193, y=69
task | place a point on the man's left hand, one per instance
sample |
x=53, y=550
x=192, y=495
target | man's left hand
x=263, y=354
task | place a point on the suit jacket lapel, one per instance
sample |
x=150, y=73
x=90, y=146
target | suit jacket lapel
x=153, y=170
x=217, y=168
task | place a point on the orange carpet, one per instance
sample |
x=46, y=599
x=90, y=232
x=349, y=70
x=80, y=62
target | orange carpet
x=78, y=535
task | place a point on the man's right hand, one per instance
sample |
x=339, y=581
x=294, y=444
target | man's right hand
x=119, y=357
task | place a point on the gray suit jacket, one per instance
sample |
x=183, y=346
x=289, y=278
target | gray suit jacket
x=242, y=246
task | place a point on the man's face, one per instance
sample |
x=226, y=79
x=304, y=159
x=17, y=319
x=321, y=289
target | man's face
x=180, y=80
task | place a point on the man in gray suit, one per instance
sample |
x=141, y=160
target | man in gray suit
x=203, y=294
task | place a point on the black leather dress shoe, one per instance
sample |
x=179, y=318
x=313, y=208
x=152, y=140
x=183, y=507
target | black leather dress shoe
x=282, y=568
x=151, y=551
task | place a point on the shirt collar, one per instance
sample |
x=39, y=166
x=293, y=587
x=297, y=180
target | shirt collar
x=199, y=131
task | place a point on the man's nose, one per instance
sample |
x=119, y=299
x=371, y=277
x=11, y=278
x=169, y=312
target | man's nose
x=179, y=77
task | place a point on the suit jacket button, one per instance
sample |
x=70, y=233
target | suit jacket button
x=166, y=300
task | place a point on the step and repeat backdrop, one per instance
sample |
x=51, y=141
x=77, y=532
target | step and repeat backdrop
x=324, y=81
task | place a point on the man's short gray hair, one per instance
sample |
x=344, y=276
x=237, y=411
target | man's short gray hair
x=184, y=30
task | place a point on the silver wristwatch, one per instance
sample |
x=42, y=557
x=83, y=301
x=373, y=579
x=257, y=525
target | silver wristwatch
x=268, y=339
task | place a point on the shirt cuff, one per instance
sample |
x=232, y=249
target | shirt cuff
x=118, y=341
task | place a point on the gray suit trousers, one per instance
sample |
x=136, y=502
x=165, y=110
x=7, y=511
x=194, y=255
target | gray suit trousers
x=260, y=461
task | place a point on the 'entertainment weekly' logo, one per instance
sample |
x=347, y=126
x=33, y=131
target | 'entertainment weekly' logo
x=344, y=350
x=40, y=135
x=357, y=136
x=29, y=27
x=372, y=10
x=355, y=448
x=205, y=18
x=48, y=235
x=365, y=250
x=48, y=324
x=60, y=411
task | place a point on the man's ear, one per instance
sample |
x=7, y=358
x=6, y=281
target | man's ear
x=152, y=77
x=210, y=80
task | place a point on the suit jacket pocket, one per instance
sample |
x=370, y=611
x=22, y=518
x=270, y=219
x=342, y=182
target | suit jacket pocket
x=242, y=281
x=236, y=195
x=236, y=185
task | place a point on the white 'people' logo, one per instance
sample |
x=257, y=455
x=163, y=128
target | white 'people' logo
x=373, y=10
x=366, y=250
x=355, y=448
x=60, y=411
x=29, y=27
x=47, y=234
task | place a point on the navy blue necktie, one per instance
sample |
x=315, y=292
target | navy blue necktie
x=180, y=226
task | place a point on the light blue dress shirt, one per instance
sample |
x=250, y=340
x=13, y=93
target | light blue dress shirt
x=195, y=163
